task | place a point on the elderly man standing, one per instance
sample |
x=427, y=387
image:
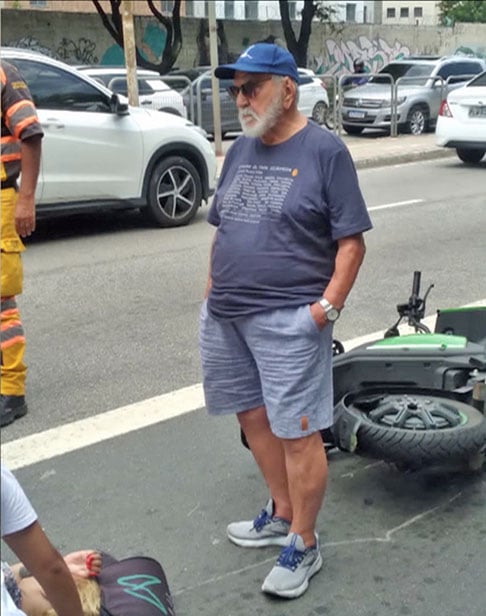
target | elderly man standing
x=288, y=246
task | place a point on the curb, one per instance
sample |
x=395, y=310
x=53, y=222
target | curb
x=386, y=160
x=394, y=159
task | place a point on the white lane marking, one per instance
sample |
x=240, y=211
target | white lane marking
x=387, y=206
x=78, y=434
x=110, y=424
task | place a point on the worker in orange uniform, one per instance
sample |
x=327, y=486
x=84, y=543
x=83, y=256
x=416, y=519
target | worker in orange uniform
x=20, y=156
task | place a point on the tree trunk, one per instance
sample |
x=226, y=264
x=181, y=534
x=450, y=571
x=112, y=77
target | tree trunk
x=173, y=41
x=298, y=47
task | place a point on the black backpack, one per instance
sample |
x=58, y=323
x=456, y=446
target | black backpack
x=134, y=586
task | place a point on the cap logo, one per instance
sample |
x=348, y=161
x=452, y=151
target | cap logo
x=245, y=54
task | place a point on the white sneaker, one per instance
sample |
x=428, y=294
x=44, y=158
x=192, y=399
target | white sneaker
x=295, y=566
x=266, y=529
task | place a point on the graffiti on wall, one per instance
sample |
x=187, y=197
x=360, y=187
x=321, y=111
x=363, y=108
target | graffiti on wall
x=73, y=52
x=31, y=43
x=83, y=50
x=340, y=55
x=151, y=47
x=471, y=50
x=68, y=50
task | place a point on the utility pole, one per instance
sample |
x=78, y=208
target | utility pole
x=213, y=54
x=130, y=54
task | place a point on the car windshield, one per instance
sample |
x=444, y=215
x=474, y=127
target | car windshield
x=404, y=69
x=479, y=81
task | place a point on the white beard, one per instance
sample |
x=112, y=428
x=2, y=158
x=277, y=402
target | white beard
x=263, y=123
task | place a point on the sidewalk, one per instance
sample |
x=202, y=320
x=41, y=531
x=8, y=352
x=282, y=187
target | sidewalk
x=377, y=150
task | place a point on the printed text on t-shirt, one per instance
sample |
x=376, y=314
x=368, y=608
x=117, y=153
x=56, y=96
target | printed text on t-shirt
x=257, y=193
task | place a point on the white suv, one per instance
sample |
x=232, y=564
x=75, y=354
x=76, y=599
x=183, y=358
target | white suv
x=153, y=92
x=100, y=153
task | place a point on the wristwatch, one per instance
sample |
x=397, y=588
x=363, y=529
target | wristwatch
x=332, y=313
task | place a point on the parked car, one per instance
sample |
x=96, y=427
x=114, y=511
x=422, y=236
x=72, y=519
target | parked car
x=178, y=76
x=313, y=98
x=418, y=95
x=313, y=101
x=153, y=92
x=98, y=152
x=462, y=121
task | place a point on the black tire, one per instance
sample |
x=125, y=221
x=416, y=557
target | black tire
x=434, y=429
x=319, y=113
x=174, y=193
x=468, y=155
x=417, y=120
x=353, y=130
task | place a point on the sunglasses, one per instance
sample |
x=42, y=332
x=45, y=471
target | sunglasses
x=248, y=89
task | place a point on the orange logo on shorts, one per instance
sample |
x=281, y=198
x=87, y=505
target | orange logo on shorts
x=294, y=172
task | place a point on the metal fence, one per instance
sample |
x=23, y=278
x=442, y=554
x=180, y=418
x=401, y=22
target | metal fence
x=197, y=98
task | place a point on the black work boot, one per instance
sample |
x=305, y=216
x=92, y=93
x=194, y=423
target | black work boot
x=11, y=408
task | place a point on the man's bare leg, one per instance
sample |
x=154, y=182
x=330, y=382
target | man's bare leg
x=269, y=455
x=306, y=465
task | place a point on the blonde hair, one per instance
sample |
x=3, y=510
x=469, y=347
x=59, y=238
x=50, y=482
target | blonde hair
x=90, y=595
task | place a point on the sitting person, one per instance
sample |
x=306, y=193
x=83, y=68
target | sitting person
x=83, y=583
x=23, y=534
x=357, y=78
x=83, y=565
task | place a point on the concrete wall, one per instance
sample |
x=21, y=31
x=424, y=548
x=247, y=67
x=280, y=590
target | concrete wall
x=82, y=39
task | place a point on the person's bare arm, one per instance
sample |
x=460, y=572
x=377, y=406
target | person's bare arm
x=46, y=564
x=30, y=165
x=350, y=255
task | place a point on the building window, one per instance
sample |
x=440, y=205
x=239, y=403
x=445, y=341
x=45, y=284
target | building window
x=350, y=12
x=229, y=9
x=38, y=3
x=251, y=9
x=390, y=13
x=292, y=10
x=418, y=11
x=166, y=6
x=404, y=11
x=189, y=8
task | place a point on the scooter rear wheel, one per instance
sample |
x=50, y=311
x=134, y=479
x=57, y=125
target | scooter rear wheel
x=409, y=428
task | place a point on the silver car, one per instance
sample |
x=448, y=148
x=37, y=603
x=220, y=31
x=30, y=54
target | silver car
x=418, y=94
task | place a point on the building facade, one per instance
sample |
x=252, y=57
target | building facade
x=406, y=13
x=357, y=11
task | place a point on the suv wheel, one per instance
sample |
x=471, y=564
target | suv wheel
x=319, y=113
x=417, y=121
x=174, y=193
x=470, y=156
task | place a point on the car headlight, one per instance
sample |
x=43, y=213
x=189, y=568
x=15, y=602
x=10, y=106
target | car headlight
x=401, y=100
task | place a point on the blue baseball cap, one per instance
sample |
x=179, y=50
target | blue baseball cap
x=261, y=58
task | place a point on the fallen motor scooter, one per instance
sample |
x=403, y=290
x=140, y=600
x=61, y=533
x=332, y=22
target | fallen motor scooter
x=419, y=399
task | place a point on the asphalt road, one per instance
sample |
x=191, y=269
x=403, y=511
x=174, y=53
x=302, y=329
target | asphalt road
x=110, y=309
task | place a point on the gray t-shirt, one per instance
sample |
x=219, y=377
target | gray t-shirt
x=16, y=511
x=280, y=211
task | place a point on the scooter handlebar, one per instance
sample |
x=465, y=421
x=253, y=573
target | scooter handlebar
x=416, y=285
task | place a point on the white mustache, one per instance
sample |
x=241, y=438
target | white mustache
x=243, y=113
